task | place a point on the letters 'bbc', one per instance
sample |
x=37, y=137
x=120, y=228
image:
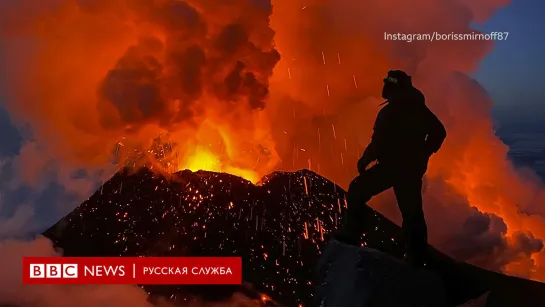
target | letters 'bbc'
x=53, y=270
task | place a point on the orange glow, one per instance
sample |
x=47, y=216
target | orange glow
x=211, y=148
x=265, y=298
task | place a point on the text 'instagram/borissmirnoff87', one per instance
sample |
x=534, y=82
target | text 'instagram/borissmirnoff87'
x=440, y=36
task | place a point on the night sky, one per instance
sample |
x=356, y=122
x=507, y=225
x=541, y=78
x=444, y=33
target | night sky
x=512, y=74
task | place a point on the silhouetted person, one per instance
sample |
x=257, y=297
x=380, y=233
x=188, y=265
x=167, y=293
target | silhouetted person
x=406, y=133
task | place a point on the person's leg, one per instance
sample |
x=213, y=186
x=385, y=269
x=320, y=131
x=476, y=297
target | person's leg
x=372, y=182
x=408, y=191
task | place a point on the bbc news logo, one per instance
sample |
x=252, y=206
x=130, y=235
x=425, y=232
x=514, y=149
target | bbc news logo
x=53, y=270
x=129, y=270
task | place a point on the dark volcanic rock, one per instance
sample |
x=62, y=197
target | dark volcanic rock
x=278, y=228
x=365, y=277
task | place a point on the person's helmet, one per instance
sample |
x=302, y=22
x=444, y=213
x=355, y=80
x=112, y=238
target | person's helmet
x=395, y=82
x=398, y=77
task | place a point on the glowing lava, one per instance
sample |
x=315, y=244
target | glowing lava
x=204, y=159
x=215, y=148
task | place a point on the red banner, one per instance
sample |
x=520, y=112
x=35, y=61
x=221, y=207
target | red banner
x=139, y=270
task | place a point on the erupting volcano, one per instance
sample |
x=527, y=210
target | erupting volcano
x=279, y=230
x=248, y=87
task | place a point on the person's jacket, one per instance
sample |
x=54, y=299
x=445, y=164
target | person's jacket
x=405, y=131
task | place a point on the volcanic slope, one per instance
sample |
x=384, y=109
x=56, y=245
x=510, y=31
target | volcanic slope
x=278, y=227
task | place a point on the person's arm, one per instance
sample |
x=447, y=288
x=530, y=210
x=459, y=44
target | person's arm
x=436, y=133
x=371, y=153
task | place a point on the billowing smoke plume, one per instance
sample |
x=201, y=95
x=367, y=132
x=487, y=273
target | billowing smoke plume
x=193, y=73
x=221, y=90
x=197, y=64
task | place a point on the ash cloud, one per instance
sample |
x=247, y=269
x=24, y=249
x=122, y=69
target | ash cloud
x=468, y=234
x=196, y=64
x=481, y=240
x=94, y=73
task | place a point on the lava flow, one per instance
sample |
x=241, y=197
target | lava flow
x=251, y=86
